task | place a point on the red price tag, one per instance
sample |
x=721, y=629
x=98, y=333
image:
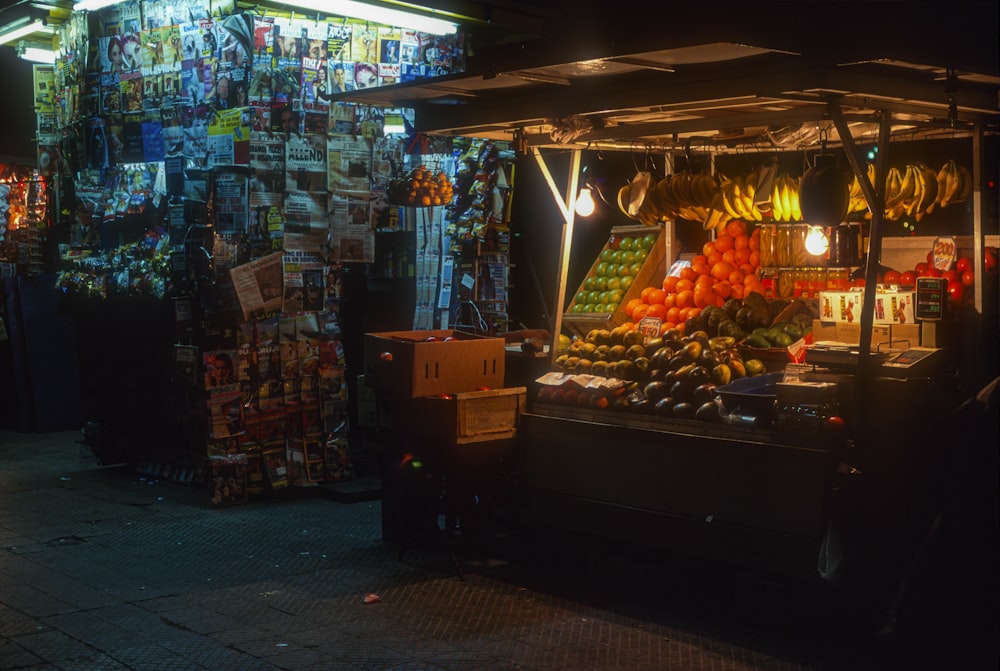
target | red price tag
x=649, y=327
x=944, y=253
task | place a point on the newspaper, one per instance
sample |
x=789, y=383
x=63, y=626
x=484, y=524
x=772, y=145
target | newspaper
x=258, y=284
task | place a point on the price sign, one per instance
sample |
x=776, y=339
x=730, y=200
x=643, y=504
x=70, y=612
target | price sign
x=649, y=327
x=944, y=252
x=932, y=296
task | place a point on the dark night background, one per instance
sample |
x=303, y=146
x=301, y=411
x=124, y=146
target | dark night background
x=17, y=115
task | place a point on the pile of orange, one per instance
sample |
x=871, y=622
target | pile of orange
x=726, y=268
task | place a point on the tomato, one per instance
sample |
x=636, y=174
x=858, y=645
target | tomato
x=908, y=278
x=921, y=268
x=968, y=278
x=951, y=275
x=964, y=263
x=990, y=259
x=931, y=272
x=956, y=291
x=891, y=277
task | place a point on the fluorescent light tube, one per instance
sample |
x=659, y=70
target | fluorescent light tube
x=376, y=14
x=93, y=5
x=20, y=31
x=38, y=55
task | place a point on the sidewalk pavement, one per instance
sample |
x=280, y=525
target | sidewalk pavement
x=103, y=568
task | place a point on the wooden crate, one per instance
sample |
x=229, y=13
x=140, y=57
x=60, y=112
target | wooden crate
x=465, y=417
x=653, y=270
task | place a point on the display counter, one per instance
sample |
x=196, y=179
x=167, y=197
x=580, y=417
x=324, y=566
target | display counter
x=743, y=495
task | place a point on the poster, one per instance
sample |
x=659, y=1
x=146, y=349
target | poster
x=258, y=284
x=231, y=202
x=229, y=137
x=304, y=274
x=305, y=163
x=267, y=165
x=350, y=237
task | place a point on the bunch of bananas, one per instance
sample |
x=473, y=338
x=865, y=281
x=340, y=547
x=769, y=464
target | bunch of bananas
x=954, y=185
x=916, y=190
x=750, y=198
x=785, y=199
x=680, y=194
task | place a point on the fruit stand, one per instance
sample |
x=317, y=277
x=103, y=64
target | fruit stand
x=631, y=437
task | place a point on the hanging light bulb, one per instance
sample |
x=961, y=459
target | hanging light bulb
x=817, y=243
x=585, y=202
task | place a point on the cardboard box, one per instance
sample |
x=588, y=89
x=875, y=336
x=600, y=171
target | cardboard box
x=850, y=333
x=891, y=307
x=465, y=417
x=406, y=363
x=896, y=336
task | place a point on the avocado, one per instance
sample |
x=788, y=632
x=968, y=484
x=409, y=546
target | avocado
x=684, y=410
x=753, y=299
x=655, y=390
x=704, y=393
x=664, y=407
x=757, y=340
x=707, y=412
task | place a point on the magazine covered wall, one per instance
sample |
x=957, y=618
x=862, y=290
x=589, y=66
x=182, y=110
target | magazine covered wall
x=206, y=160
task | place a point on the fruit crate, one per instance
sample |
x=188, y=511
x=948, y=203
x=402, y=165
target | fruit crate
x=457, y=419
x=652, y=270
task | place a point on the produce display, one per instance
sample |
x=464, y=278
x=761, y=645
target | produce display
x=421, y=186
x=916, y=190
x=675, y=375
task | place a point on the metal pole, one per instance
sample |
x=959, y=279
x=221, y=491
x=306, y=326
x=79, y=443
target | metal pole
x=566, y=206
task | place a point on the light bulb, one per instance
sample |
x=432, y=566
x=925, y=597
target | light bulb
x=817, y=243
x=585, y=203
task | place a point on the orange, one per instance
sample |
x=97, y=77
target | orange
x=754, y=243
x=723, y=242
x=666, y=326
x=670, y=300
x=738, y=291
x=670, y=283
x=674, y=315
x=684, y=285
x=688, y=273
x=656, y=297
x=639, y=312
x=736, y=277
x=685, y=298
x=736, y=227
x=700, y=268
x=743, y=255
x=708, y=249
x=657, y=310
x=714, y=258
x=746, y=269
x=703, y=297
x=699, y=258
x=722, y=289
x=704, y=279
x=631, y=305
x=754, y=259
x=741, y=241
x=722, y=270
x=729, y=256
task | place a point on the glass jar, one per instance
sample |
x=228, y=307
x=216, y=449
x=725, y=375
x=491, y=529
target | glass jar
x=782, y=254
x=766, y=242
x=801, y=258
